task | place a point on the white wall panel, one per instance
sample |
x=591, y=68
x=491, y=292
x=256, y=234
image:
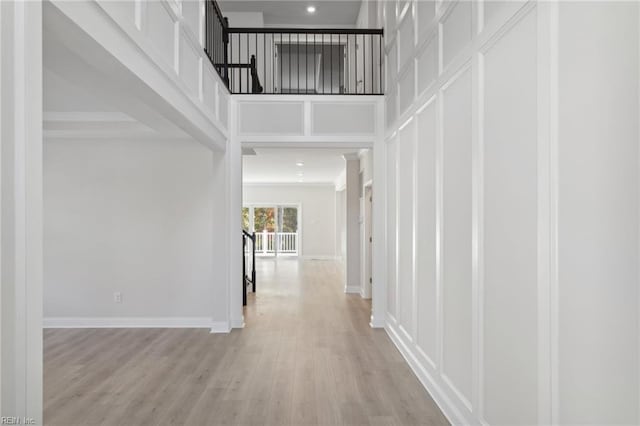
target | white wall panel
x=191, y=15
x=405, y=200
x=427, y=64
x=123, y=11
x=510, y=227
x=391, y=226
x=406, y=39
x=389, y=14
x=392, y=64
x=494, y=10
x=390, y=107
x=342, y=118
x=527, y=209
x=456, y=30
x=209, y=88
x=160, y=28
x=598, y=213
x=273, y=118
x=189, y=63
x=407, y=90
x=425, y=12
x=223, y=104
x=426, y=235
x=456, y=251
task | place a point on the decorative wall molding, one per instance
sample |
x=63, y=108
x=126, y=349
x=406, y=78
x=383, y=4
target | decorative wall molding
x=463, y=58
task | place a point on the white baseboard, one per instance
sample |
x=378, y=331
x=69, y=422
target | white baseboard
x=238, y=322
x=355, y=289
x=311, y=257
x=363, y=294
x=127, y=322
x=220, y=327
x=448, y=408
x=376, y=322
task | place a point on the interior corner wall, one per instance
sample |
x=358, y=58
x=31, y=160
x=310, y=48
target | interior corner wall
x=318, y=205
x=513, y=207
x=352, y=219
x=128, y=216
x=341, y=225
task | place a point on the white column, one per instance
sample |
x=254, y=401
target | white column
x=352, y=282
x=378, y=220
x=234, y=164
x=21, y=209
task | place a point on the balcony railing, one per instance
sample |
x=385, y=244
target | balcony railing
x=276, y=243
x=294, y=60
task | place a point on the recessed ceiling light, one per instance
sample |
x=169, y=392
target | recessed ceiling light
x=300, y=174
x=311, y=9
x=299, y=164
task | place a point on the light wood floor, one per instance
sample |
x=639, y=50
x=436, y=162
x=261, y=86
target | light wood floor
x=306, y=356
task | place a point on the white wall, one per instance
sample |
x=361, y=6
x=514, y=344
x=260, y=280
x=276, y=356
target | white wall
x=21, y=210
x=512, y=207
x=597, y=184
x=134, y=217
x=352, y=219
x=318, y=213
x=341, y=224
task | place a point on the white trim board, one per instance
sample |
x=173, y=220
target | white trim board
x=450, y=411
x=315, y=184
x=321, y=257
x=134, y=322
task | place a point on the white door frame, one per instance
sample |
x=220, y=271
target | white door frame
x=367, y=231
x=378, y=212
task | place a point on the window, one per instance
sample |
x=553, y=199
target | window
x=276, y=228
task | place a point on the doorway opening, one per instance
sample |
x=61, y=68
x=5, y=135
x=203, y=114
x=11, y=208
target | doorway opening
x=308, y=217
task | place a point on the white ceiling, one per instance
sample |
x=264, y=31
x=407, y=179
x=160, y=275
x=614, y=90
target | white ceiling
x=294, y=12
x=279, y=165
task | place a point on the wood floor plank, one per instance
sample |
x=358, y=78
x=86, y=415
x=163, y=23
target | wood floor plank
x=307, y=356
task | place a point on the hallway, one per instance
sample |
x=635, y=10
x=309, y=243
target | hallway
x=306, y=356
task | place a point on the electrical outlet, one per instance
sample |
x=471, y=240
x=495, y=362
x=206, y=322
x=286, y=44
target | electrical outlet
x=117, y=297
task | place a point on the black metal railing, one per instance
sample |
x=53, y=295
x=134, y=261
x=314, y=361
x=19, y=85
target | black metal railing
x=294, y=60
x=217, y=39
x=248, y=264
x=306, y=61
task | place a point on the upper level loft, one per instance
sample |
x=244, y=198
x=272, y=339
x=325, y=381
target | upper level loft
x=305, y=61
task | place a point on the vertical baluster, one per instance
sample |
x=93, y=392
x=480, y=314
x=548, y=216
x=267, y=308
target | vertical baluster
x=364, y=65
x=340, y=90
x=331, y=52
x=371, y=44
x=281, y=62
x=380, y=64
x=306, y=62
x=323, y=61
x=289, y=50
